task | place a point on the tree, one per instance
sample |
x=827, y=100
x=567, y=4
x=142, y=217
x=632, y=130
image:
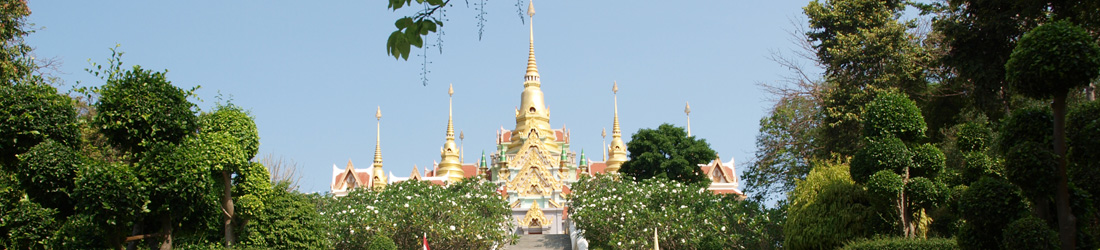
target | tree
x=32, y=113
x=289, y=220
x=15, y=64
x=897, y=171
x=827, y=210
x=667, y=152
x=988, y=205
x=784, y=147
x=1047, y=62
x=236, y=140
x=139, y=107
x=865, y=47
x=48, y=172
x=113, y=198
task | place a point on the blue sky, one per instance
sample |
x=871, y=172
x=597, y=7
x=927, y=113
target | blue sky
x=313, y=72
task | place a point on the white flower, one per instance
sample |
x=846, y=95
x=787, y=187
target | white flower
x=453, y=227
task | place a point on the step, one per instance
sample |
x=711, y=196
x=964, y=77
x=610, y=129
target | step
x=542, y=242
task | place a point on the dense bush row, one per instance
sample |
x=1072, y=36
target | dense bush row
x=622, y=214
x=464, y=215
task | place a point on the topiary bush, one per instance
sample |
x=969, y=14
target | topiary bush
x=973, y=136
x=990, y=203
x=976, y=165
x=891, y=113
x=881, y=153
x=895, y=243
x=381, y=242
x=928, y=161
x=926, y=193
x=1083, y=135
x=1029, y=233
x=1033, y=124
x=1032, y=166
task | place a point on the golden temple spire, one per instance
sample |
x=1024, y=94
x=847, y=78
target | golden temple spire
x=378, y=137
x=532, y=76
x=379, y=179
x=450, y=112
x=687, y=111
x=451, y=163
x=617, y=151
x=532, y=115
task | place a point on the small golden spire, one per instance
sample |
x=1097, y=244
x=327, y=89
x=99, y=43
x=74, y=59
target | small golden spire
x=615, y=127
x=450, y=113
x=687, y=111
x=378, y=137
x=616, y=154
x=450, y=164
x=532, y=77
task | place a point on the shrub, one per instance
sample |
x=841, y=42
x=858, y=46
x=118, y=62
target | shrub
x=887, y=153
x=1032, y=166
x=1033, y=124
x=976, y=165
x=1030, y=233
x=973, y=136
x=1083, y=135
x=902, y=244
x=989, y=203
x=621, y=214
x=381, y=242
x=893, y=114
x=928, y=161
x=464, y=215
x=828, y=209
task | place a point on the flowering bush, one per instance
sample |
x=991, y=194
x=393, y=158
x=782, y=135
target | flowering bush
x=617, y=214
x=464, y=215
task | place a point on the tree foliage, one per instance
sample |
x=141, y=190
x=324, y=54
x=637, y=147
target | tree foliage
x=48, y=172
x=289, y=220
x=988, y=204
x=667, y=152
x=464, y=215
x=784, y=148
x=140, y=107
x=33, y=113
x=865, y=48
x=686, y=216
x=827, y=210
x=1029, y=233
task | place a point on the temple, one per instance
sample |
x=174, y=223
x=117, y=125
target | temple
x=533, y=164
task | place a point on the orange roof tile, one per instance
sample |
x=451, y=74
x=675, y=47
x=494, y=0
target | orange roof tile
x=469, y=170
x=597, y=167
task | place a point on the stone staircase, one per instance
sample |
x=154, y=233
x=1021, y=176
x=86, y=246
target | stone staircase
x=542, y=242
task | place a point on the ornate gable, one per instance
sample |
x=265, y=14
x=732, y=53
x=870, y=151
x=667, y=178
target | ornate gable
x=535, y=162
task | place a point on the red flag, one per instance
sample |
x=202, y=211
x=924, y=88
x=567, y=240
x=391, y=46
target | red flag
x=425, y=241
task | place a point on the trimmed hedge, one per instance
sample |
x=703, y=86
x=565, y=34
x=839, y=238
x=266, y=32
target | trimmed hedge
x=902, y=244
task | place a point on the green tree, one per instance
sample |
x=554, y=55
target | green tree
x=988, y=205
x=865, y=47
x=667, y=152
x=15, y=61
x=48, y=172
x=827, y=210
x=1047, y=62
x=897, y=171
x=784, y=147
x=289, y=220
x=33, y=113
x=139, y=107
x=113, y=198
x=236, y=140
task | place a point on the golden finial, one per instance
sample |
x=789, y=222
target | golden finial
x=451, y=90
x=461, y=135
x=603, y=133
x=615, y=87
x=531, y=8
x=378, y=138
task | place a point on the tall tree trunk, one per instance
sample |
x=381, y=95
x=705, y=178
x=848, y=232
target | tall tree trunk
x=903, y=208
x=227, y=206
x=166, y=232
x=1066, y=222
